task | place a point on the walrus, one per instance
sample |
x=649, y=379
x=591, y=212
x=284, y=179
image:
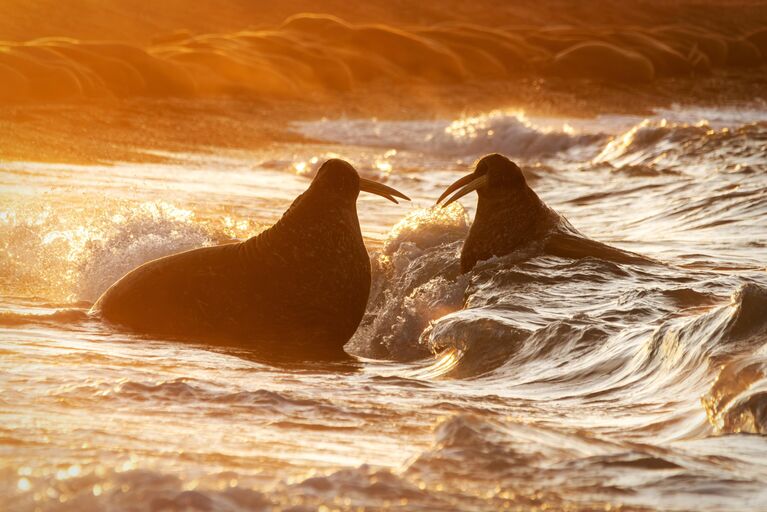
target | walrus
x=511, y=216
x=297, y=290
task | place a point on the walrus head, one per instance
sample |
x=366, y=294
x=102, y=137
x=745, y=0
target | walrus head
x=338, y=180
x=509, y=212
x=495, y=178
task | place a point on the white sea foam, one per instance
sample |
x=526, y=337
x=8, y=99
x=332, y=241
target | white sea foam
x=509, y=133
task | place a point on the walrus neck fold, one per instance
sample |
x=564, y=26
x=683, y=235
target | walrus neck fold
x=503, y=224
x=306, y=214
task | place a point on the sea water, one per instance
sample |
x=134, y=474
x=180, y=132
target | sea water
x=526, y=383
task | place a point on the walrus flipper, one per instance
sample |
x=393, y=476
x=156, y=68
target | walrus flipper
x=569, y=245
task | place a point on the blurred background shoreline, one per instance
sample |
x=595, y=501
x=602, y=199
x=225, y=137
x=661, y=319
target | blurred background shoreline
x=78, y=78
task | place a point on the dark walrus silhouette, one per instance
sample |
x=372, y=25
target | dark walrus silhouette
x=510, y=216
x=297, y=290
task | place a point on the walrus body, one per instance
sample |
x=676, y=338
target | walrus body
x=300, y=287
x=511, y=216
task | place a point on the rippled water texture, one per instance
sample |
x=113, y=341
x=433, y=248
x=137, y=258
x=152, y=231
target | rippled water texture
x=543, y=382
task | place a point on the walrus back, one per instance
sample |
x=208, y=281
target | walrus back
x=174, y=294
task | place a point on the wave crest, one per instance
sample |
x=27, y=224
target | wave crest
x=510, y=133
x=737, y=401
x=669, y=147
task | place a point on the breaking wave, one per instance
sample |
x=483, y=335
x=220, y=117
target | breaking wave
x=508, y=133
x=670, y=145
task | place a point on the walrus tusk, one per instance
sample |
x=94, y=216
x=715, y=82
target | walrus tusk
x=455, y=186
x=468, y=183
x=381, y=190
